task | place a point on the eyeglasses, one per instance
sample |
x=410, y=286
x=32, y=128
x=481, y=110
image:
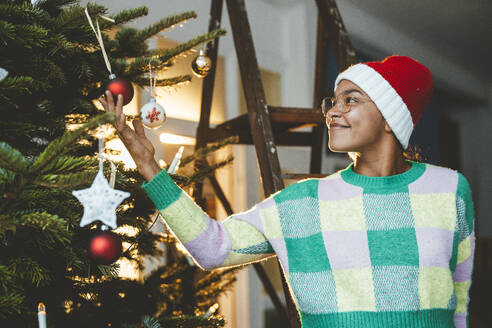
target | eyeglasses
x=344, y=103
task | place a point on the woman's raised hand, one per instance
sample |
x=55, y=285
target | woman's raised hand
x=139, y=147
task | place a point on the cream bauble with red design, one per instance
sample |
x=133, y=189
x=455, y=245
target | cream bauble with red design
x=152, y=114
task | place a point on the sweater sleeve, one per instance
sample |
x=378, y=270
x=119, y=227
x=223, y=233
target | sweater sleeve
x=466, y=250
x=212, y=244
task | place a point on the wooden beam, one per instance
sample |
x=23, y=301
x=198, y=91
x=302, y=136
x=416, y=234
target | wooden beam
x=245, y=138
x=299, y=176
x=207, y=93
x=296, y=115
x=336, y=33
x=331, y=31
x=282, y=119
x=220, y=194
x=240, y=122
x=259, y=121
x=320, y=77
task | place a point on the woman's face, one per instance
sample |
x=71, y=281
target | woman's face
x=363, y=125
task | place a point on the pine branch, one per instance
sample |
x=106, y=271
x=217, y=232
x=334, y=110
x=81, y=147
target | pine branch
x=10, y=183
x=69, y=164
x=204, y=172
x=109, y=271
x=17, y=86
x=54, y=228
x=7, y=223
x=61, y=145
x=170, y=82
x=29, y=270
x=7, y=180
x=7, y=32
x=65, y=180
x=72, y=23
x=22, y=12
x=59, y=43
x=12, y=159
x=127, y=43
x=77, y=118
x=127, y=15
x=52, y=200
x=204, y=151
x=140, y=65
x=164, y=24
x=166, y=274
x=10, y=303
x=30, y=36
x=214, y=290
x=186, y=321
x=214, y=277
x=6, y=278
x=54, y=7
x=53, y=74
x=168, y=54
x=149, y=322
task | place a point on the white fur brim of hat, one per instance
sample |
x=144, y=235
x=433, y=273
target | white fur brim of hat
x=387, y=100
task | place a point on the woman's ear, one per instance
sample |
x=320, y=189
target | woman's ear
x=387, y=128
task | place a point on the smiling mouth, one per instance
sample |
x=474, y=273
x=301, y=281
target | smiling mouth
x=338, y=127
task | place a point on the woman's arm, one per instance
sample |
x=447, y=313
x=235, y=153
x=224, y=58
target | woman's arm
x=237, y=240
x=213, y=244
x=466, y=250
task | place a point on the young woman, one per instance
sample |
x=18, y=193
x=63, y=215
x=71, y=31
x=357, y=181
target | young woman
x=385, y=242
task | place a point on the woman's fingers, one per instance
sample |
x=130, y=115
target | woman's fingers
x=138, y=126
x=134, y=141
x=109, y=99
x=120, y=116
x=104, y=104
x=110, y=107
x=140, y=131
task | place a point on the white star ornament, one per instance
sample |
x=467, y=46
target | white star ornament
x=100, y=201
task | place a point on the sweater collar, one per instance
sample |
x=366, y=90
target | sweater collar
x=387, y=182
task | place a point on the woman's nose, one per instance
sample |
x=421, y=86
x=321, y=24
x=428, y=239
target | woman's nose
x=334, y=111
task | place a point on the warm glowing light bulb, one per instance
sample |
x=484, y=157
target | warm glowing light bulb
x=211, y=310
x=181, y=248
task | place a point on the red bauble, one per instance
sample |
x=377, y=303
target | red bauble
x=119, y=85
x=105, y=247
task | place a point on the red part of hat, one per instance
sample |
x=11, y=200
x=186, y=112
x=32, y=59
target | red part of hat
x=411, y=80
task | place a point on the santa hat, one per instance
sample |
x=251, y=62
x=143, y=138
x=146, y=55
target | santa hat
x=401, y=88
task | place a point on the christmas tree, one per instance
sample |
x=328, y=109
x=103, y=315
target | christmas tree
x=51, y=70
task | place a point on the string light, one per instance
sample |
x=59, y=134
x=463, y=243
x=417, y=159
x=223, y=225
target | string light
x=211, y=310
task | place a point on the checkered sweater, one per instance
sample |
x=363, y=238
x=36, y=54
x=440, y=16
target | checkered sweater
x=358, y=251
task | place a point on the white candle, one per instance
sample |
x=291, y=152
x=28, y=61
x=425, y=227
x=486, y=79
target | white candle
x=41, y=315
x=176, y=160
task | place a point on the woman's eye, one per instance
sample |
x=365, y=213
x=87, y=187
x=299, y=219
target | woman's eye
x=350, y=100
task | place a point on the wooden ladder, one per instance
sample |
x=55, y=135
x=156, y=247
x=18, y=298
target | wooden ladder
x=266, y=126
